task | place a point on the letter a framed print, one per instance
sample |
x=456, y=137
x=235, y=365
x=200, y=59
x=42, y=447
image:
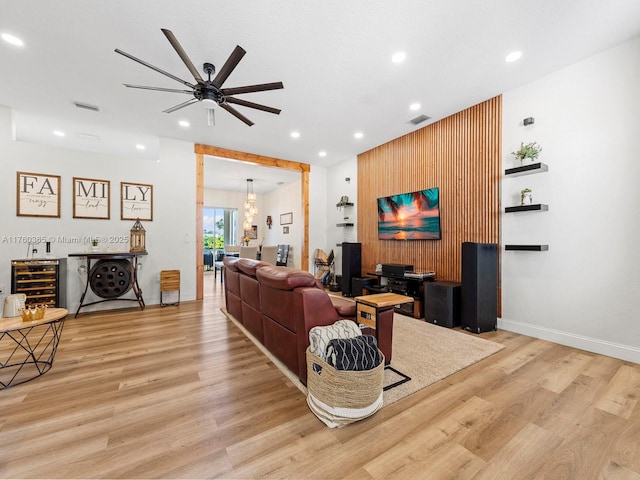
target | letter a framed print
x=37, y=195
x=91, y=198
x=136, y=201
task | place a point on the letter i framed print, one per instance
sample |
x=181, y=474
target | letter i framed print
x=37, y=195
x=136, y=201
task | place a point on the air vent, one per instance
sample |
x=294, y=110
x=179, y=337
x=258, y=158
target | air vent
x=86, y=106
x=420, y=119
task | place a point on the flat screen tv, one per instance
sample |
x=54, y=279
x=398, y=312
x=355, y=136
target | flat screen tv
x=410, y=216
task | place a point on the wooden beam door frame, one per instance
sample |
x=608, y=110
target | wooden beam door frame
x=202, y=150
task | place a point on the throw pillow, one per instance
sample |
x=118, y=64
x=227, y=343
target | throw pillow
x=319, y=337
x=360, y=353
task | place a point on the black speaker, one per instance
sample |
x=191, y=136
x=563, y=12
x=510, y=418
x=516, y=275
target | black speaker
x=442, y=303
x=351, y=265
x=479, y=286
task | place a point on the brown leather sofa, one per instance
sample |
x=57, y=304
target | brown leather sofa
x=279, y=305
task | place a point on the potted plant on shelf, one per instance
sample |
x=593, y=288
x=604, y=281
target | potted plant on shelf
x=527, y=153
x=94, y=244
x=526, y=196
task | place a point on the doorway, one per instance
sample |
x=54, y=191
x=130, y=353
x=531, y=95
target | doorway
x=303, y=168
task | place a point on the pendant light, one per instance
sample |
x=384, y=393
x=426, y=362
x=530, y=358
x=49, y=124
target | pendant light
x=250, y=206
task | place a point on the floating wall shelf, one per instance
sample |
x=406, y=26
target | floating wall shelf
x=527, y=169
x=344, y=204
x=527, y=248
x=344, y=224
x=537, y=207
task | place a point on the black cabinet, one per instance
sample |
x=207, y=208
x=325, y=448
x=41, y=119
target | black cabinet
x=411, y=287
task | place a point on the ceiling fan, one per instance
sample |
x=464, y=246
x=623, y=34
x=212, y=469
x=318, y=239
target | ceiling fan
x=210, y=91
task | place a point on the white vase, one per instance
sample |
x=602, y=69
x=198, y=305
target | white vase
x=526, y=161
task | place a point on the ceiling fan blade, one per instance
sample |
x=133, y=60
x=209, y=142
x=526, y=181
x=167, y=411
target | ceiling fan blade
x=252, y=88
x=229, y=65
x=236, y=113
x=182, y=105
x=142, y=62
x=183, y=55
x=159, y=89
x=257, y=106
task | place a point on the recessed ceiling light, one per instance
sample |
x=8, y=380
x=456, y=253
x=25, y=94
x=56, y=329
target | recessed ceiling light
x=513, y=56
x=322, y=153
x=183, y=123
x=140, y=146
x=358, y=135
x=295, y=134
x=414, y=106
x=58, y=133
x=398, y=57
x=13, y=40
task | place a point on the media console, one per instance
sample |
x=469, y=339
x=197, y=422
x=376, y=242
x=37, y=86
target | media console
x=410, y=286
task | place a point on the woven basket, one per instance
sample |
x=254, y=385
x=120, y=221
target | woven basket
x=341, y=397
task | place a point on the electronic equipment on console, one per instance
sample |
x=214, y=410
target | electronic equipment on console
x=396, y=269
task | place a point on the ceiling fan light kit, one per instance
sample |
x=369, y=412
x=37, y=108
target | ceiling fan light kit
x=210, y=91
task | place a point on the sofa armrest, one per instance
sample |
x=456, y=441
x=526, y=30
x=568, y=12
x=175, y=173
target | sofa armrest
x=345, y=308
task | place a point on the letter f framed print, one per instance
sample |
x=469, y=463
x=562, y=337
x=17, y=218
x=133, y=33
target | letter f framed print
x=37, y=195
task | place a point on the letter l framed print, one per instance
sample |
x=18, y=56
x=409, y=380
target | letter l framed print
x=136, y=201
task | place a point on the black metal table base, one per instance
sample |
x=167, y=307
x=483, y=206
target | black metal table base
x=101, y=257
x=31, y=351
x=405, y=378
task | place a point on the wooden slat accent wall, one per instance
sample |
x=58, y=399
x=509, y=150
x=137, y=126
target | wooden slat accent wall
x=461, y=155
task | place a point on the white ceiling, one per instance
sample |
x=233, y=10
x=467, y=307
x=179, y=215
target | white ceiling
x=334, y=58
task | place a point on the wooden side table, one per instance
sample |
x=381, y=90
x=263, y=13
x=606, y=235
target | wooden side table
x=376, y=312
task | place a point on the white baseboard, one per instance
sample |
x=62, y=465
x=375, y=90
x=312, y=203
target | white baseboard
x=595, y=345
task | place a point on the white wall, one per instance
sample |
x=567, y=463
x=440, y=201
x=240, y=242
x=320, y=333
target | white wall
x=584, y=291
x=338, y=186
x=170, y=237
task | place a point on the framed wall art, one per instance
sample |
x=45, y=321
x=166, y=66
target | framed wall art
x=252, y=232
x=136, y=201
x=91, y=198
x=285, y=230
x=286, y=218
x=37, y=195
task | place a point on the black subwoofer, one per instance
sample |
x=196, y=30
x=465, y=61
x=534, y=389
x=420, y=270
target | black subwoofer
x=111, y=278
x=442, y=303
x=479, y=286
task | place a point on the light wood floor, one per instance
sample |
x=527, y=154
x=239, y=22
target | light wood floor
x=179, y=392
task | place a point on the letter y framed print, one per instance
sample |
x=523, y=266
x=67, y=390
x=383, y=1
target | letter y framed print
x=136, y=201
x=37, y=195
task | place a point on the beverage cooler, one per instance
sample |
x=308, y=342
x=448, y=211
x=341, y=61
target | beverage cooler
x=43, y=281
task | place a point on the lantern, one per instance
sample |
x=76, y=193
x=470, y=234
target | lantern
x=137, y=238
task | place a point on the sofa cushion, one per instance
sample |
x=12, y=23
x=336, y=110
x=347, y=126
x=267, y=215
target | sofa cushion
x=319, y=337
x=284, y=278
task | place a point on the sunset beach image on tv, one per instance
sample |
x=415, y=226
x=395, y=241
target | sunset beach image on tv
x=410, y=216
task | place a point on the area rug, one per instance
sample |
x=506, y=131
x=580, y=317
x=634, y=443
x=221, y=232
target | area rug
x=427, y=353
